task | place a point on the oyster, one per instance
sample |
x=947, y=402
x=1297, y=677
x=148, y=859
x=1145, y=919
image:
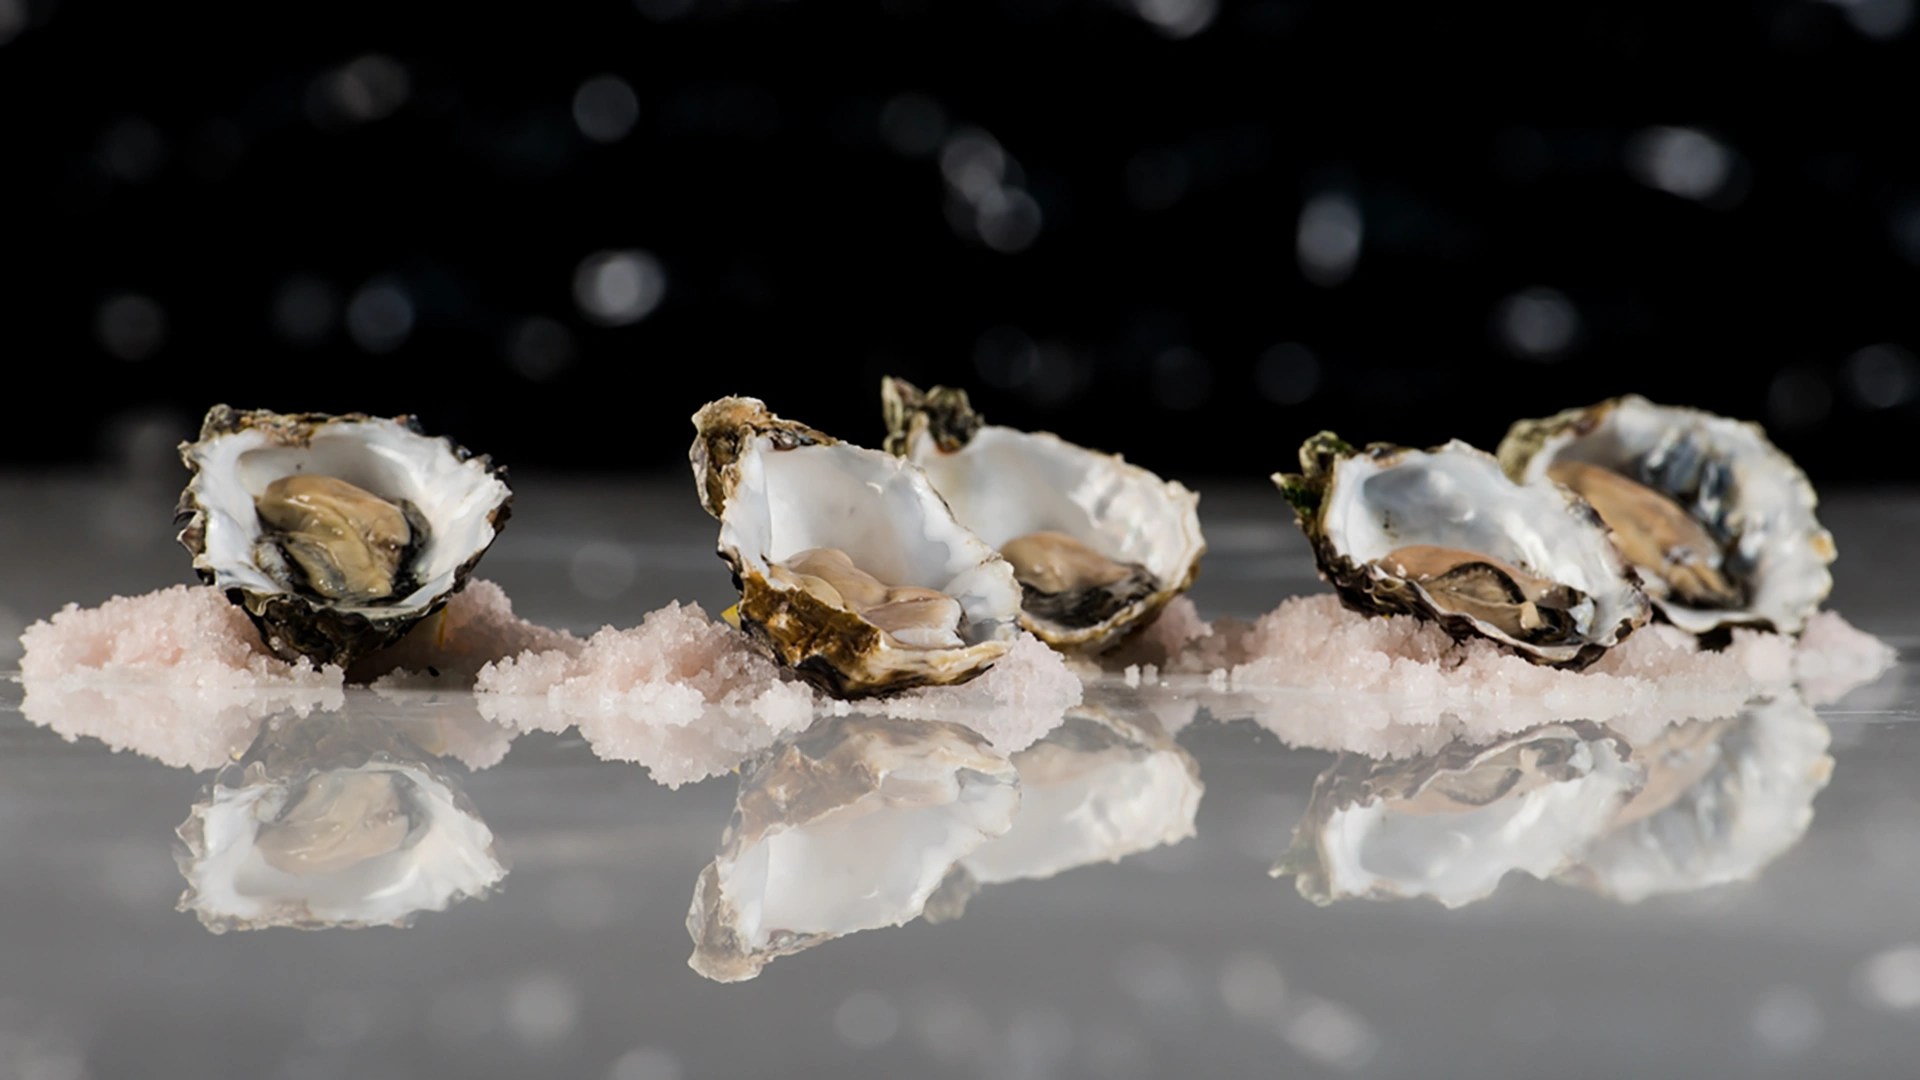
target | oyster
x=849, y=827
x=335, y=821
x=335, y=533
x=852, y=571
x=1452, y=824
x=1718, y=521
x=1723, y=799
x=1099, y=546
x=1444, y=534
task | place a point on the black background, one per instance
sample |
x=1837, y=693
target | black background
x=180, y=182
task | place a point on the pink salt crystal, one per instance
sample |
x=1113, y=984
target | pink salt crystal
x=1023, y=696
x=680, y=693
x=476, y=628
x=1834, y=657
x=1171, y=635
x=187, y=635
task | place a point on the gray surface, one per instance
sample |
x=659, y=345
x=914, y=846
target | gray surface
x=1160, y=965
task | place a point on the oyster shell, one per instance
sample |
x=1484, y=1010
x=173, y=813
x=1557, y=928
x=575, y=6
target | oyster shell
x=333, y=821
x=849, y=827
x=335, y=533
x=1443, y=534
x=852, y=571
x=1451, y=825
x=1719, y=522
x=1099, y=545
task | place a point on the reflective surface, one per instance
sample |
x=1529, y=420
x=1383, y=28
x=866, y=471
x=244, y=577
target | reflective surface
x=1174, y=891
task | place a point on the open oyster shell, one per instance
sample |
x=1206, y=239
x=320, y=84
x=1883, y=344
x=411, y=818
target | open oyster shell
x=332, y=821
x=1766, y=554
x=1099, y=545
x=849, y=827
x=1723, y=799
x=452, y=503
x=1443, y=534
x=789, y=497
x=1452, y=824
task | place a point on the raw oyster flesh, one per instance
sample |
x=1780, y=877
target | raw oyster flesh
x=335, y=533
x=852, y=571
x=1099, y=545
x=1443, y=534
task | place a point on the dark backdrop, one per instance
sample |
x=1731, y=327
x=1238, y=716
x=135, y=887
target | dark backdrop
x=1189, y=230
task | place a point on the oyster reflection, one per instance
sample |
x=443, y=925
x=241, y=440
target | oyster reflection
x=1692, y=805
x=848, y=827
x=1100, y=787
x=333, y=821
x=1450, y=825
x=862, y=823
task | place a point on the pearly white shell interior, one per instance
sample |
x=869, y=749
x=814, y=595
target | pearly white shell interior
x=878, y=509
x=1457, y=497
x=1771, y=504
x=1007, y=483
x=457, y=497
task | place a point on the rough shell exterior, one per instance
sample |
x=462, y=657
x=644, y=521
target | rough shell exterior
x=1363, y=588
x=290, y=624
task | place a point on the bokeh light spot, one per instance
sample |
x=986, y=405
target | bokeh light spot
x=605, y=108
x=618, y=288
x=1537, y=324
x=130, y=326
x=1328, y=238
x=380, y=316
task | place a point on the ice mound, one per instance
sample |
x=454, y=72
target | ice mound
x=476, y=628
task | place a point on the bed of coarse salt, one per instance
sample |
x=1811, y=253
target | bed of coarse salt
x=476, y=628
x=178, y=675
x=688, y=696
x=1320, y=675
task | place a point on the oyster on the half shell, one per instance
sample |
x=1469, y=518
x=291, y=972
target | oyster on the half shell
x=1443, y=534
x=1099, y=545
x=852, y=570
x=1718, y=521
x=335, y=533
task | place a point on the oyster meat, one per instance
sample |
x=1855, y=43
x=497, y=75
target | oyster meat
x=852, y=571
x=336, y=534
x=1443, y=534
x=1719, y=522
x=1099, y=545
x=1452, y=824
